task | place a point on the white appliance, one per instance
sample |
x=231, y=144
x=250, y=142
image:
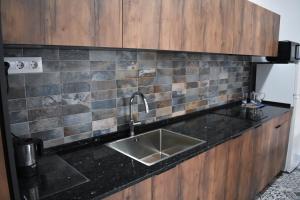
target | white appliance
x=280, y=83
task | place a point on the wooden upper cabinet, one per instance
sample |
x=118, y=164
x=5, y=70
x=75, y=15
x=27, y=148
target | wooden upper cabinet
x=70, y=22
x=108, y=23
x=218, y=27
x=141, y=23
x=213, y=26
x=22, y=22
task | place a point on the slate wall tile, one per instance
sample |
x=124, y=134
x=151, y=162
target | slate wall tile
x=84, y=93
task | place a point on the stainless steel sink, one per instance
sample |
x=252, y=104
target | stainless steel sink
x=154, y=146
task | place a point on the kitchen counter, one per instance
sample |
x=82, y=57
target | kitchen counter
x=109, y=171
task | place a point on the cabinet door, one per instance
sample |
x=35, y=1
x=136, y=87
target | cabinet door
x=22, y=21
x=283, y=144
x=219, y=24
x=263, y=139
x=191, y=175
x=245, y=185
x=140, y=191
x=141, y=23
x=171, y=25
x=233, y=172
x=108, y=23
x=194, y=21
x=70, y=22
x=4, y=189
x=215, y=172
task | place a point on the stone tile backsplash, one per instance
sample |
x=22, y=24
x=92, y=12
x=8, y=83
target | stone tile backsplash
x=84, y=93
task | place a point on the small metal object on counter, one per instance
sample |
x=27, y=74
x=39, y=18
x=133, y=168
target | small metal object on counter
x=132, y=123
x=27, y=153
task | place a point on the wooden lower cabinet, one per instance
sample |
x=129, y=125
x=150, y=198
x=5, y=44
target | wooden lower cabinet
x=4, y=188
x=235, y=170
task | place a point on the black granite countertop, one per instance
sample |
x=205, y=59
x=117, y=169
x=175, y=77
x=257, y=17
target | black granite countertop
x=109, y=171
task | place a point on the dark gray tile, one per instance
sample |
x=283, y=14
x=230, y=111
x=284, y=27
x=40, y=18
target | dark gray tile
x=81, y=118
x=104, y=114
x=74, y=65
x=77, y=137
x=51, y=66
x=54, y=142
x=76, y=98
x=126, y=74
x=49, y=134
x=17, y=105
x=43, y=90
x=164, y=80
x=12, y=52
x=74, y=54
x=103, y=85
x=68, y=77
x=76, y=87
x=18, y=116
x=105, y=104
x=20, y=129
x=146, y=81
x=147, y=64
x=102, y=65
x=42, y=79
x=44, y=113
x=127, y=65
x=16, y=80
x=103, y=75
x=125, y=92
x=164, y=64
x=46, y=54
x=104, y=132
x=44, y=101
x=16, y=93
x=44, y=125
x=77, y=129
x=104, y=94
x=76, y=109
x=126, y=55
x=102, y=55
x=126, y=83
x=146, y=55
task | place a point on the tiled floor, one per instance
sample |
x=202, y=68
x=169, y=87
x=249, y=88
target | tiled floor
x=286, y=187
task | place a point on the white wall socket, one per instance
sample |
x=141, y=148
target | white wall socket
x=23, y=65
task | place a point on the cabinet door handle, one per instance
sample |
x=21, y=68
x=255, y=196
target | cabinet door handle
x=257, y=126
x=236, y=136
x=278, y=126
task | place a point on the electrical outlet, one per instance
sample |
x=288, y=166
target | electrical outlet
x=23, y=65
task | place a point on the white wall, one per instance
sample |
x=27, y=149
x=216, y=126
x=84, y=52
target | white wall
x=289, y=10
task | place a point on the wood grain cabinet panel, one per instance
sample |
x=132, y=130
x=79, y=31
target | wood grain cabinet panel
x=140, y=191
x=108, y=23
x=70, y=22
x=23, y=21
x=4, y=188
x=141, y=23
x=233, y=172
x=245, y=184
x=216, y=170
x=166, y=185
x=192, y=185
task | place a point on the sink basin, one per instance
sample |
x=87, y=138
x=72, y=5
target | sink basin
x=154, y=146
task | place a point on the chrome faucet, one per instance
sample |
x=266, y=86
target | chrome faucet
x=132, y=123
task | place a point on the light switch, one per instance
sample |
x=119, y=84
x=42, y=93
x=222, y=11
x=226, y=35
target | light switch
x=24, y=65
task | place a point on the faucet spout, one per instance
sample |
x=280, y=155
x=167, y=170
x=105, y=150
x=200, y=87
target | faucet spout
x=132, y=123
